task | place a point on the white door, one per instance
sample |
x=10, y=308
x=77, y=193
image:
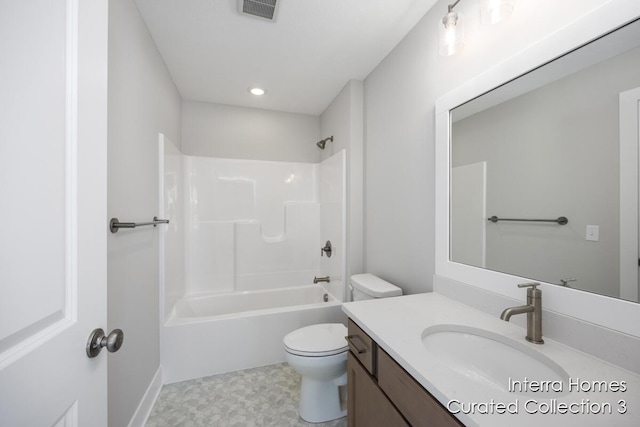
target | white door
x=629, y=194
x=53, y=126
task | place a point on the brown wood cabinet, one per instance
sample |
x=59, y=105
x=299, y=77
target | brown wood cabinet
x=367, y=406
x=362, y=346
x=381, y=393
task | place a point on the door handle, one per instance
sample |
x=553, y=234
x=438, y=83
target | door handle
x=97, y=340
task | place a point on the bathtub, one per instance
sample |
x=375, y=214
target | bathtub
x=208, y=335
x=250, y=303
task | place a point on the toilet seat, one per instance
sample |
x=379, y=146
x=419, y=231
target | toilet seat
x=325, y=339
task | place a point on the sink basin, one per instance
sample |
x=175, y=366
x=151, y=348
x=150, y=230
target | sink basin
x=496, y=361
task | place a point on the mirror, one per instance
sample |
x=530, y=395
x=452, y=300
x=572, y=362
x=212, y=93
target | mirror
x=544, y=175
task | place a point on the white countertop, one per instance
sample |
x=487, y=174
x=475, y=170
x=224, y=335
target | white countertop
x=397, y=324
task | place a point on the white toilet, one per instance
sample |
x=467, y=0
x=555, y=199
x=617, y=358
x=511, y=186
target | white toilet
x=319, y=354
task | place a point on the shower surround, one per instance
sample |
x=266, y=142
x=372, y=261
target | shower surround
x=239, y=257
x=250, y=225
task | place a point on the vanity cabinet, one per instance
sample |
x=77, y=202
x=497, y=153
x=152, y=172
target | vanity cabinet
x=361, y=346
x=367, y=406
x=381, y=393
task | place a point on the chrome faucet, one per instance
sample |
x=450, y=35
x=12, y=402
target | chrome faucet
x=533, y=310
x=321, y=279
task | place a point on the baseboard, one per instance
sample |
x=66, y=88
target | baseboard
x=143, y=411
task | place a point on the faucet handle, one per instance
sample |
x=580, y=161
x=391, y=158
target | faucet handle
x=533, y=285
x=327, y=249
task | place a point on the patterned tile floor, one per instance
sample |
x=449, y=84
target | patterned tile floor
x=259, y=397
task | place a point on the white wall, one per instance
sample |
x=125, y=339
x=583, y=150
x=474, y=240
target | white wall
x=332, y=197
x=142, y=102
x=172, y=274
x=344, y=119
x=215, y=130
x=399, y=98
x=249, y=224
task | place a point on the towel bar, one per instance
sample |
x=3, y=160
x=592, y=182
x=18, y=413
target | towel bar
x=115, y=225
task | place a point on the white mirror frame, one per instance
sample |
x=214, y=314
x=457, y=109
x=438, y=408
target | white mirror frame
x=619, y=315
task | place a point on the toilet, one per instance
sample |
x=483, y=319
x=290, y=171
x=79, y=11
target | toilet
x=319, y=354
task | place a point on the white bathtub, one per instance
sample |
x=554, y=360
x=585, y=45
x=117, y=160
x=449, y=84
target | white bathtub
x=221, y=333
x=250, y=303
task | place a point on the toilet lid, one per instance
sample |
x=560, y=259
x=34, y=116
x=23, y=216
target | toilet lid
x=325, y=339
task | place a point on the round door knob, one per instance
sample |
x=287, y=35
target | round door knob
x=97, y=340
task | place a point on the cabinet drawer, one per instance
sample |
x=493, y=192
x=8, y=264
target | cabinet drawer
x=411, y=399
x=362, y=346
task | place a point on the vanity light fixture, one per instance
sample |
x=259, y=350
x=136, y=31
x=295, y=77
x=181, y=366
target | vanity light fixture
x=451, y=34
x=494, y=11
x=451, y=29
x=256, y=91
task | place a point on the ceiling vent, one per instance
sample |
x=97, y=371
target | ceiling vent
x=263, y=9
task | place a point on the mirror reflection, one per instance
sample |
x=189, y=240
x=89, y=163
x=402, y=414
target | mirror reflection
x=548, y=145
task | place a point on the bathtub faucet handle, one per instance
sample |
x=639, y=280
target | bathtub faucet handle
x=327, y=249
x=326, y=279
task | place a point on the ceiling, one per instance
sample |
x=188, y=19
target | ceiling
x=303, y=58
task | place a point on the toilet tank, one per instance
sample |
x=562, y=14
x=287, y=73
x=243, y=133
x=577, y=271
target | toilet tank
x=367, y=286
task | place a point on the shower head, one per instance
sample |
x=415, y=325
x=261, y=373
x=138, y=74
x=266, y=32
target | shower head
x=322, y=143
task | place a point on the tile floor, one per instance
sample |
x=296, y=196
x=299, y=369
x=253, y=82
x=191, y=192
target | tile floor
x=265, y=397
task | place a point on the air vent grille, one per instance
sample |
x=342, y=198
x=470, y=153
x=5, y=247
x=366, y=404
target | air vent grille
x=265, y=9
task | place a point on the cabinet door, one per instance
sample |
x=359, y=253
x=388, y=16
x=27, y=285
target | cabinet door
x=367, y=405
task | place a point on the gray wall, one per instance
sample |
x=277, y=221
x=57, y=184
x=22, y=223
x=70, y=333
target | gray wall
x=142, y=102
x=552, y=152
x=400, y=96
x=225, y=131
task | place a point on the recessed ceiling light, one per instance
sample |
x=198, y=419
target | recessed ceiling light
x=257, y=91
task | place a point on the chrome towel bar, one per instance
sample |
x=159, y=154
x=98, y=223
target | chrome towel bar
x=114, y=224
x=562, y=220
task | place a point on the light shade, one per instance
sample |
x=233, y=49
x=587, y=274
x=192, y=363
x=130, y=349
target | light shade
x=494, y=11
x=451, y=34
